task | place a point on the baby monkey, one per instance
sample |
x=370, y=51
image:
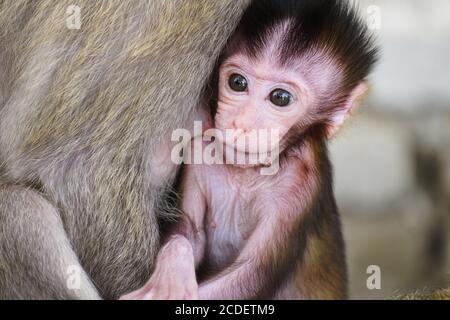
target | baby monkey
x=293, y=66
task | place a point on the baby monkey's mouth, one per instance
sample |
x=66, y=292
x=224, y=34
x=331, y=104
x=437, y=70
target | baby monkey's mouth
x=241, y=157
x=244, y=149
x=253, y=142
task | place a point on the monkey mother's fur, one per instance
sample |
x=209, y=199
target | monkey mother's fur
x=82, y=113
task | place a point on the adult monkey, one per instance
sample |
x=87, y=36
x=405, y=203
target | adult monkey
x=83, y=115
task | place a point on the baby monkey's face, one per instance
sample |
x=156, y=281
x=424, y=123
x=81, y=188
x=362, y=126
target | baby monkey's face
x=257, y=95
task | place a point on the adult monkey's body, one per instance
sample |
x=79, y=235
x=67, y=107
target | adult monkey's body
x=82, y=116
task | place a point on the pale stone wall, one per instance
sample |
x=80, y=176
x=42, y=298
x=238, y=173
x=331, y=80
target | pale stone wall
x=392, y=161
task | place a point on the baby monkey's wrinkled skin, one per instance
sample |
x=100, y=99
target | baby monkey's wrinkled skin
x=244, y=235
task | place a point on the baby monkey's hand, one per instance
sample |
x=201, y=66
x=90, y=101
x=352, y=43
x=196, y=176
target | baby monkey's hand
x=174, y=276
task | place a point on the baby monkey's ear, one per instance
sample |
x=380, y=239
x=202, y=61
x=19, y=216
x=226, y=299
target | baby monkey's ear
x=338, y=117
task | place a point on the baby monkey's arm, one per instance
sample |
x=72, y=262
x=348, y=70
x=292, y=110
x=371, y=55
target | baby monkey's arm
x=255, y=272
x=182, y=250
x=190, y=226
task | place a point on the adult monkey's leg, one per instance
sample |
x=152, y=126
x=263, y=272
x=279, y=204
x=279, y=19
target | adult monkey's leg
x=36, y=258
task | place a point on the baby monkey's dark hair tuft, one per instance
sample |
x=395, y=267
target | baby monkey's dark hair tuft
x=332, y=27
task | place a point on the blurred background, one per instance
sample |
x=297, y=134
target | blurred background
x=392, y=160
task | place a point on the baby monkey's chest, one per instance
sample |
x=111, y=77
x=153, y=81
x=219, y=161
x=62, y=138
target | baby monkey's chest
x=230, y=221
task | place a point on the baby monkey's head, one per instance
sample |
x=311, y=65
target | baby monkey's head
x=293, y=66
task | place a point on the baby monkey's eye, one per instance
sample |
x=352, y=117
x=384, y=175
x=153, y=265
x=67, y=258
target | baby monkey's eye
x=237, y=82
x=280, y=97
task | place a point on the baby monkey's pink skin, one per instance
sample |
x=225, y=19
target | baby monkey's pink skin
x=250, y=235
